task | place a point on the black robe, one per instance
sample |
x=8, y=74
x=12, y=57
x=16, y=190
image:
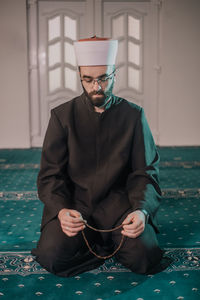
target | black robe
x=99, y=164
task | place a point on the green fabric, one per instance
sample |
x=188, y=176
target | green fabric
x=179, y=218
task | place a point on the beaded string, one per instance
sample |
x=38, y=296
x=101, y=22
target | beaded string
x=102, y=230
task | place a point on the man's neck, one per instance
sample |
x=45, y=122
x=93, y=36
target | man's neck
x=99, y=109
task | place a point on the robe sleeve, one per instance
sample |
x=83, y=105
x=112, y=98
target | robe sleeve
x=52, y=185
x=143, y=181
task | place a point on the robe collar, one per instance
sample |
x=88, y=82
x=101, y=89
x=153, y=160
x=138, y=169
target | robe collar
x=91, y=106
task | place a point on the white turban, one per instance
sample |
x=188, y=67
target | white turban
x=96, y=51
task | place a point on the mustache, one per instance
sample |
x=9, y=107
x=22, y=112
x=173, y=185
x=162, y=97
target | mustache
x=96, y=93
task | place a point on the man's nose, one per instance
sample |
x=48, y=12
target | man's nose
x=96, y=86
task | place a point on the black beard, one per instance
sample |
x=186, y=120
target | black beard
x=100, y=101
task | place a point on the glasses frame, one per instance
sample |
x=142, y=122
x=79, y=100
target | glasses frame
x=100, y=81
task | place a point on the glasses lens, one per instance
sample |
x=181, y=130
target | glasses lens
x=100, y=80
x=103, y=79
x=88, y=80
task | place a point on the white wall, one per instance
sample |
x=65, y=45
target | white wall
x=14, y=102
x=179, y=103
x=179, y=89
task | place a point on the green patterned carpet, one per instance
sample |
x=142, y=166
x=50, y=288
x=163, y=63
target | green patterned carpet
x=179, y=218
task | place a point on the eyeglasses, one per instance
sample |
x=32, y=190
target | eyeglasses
x=100, y=80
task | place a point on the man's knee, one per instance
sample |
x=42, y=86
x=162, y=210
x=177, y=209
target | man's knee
x=54, y=259
x=47, y=258
x=55, y=250
x=141, y=261
x=140, y=255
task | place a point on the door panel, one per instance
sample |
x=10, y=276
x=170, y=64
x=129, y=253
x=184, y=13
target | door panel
x=134, y=24
x=60, y=23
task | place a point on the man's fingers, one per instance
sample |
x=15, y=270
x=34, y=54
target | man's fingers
x=73, y=219
x=70, y=234
x=132, y=234
x=72, y=229
x=70, y=224
x=133, y=226
x=74, y=214
x=127, y=220
x=134, y=230
x=76, y=218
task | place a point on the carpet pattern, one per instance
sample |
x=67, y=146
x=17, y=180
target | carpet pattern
x=22, y=263
x=179, y=219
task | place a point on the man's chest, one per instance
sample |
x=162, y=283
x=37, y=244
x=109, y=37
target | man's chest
x=95, y=139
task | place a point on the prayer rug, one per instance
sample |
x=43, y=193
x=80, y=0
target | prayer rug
x=21, y=277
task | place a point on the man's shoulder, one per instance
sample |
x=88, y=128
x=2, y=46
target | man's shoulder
x=67, y=106
x=128, y=105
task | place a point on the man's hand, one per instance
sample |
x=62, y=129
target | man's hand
x=134, y=224
x=71, y=221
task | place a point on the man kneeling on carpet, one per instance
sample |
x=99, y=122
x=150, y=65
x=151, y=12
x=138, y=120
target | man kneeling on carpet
x=99, y=176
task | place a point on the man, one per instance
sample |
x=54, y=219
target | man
x=100, y=164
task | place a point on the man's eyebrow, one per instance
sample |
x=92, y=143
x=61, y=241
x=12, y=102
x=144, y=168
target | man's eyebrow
x=87, y=76
x=103, y=75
